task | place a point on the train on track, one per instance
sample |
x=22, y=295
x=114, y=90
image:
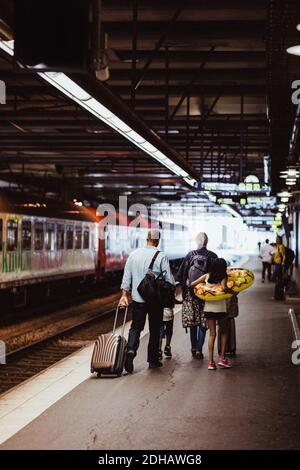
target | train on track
x=47, y=243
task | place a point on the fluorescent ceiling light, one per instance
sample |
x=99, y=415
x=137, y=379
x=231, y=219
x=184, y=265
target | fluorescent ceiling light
x=96, y=108
x=160, y=156
x=284, y=199
x=294, y=50
x=72, y=90
x=190, y=180
x=135, y=137
x=284, y=194
x=66, y=85
x=290, y=173
x=231, y=210
x=149, y=147
x=119, y=124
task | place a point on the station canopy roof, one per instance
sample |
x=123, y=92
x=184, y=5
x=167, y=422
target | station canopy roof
x=212, y=80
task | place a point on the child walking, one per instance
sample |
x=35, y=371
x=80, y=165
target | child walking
x=216, y=311
x=166, y=331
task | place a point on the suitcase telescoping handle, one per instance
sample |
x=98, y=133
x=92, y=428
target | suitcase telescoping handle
x=116, y=318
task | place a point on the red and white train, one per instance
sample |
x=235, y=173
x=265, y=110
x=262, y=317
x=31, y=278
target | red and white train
x=43, y=242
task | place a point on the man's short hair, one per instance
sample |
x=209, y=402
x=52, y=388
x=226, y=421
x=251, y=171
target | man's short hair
x=201, y=239
x=267, y=240
x=153, y=235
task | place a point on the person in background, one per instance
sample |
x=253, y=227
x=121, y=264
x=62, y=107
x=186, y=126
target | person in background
x=217, y=311
x=273, y=246
x=279, y=260
x=289, y=262
x=136, y=267
x=266, y=256
x=197, y=332
x=259, y=247
x=166, y=332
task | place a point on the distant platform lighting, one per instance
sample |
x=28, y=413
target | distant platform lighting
x=291, y=173
x=294, y=50
x=290, y=182
x=284, y=194
x=70, y=89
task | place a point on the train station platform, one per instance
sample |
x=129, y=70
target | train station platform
x=254, y=405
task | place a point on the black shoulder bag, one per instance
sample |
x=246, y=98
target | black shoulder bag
x=155, y=289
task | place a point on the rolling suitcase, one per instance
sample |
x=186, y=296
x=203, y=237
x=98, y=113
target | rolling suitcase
x=110, y=351
x=230, y=349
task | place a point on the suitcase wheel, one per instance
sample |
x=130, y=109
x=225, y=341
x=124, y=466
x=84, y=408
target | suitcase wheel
x=98, y=374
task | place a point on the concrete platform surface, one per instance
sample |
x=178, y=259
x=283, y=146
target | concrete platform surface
x=255, y=405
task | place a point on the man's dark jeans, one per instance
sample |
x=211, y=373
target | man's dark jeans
x=279, y=283
x=155, y=315
x=266, y=267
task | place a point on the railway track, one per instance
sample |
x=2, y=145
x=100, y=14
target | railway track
x=65, y=301
x=27, y=361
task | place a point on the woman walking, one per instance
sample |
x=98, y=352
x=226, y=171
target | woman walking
x=193, y=266
x=216, y=311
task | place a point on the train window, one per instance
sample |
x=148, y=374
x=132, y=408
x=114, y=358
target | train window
x=38, y=236
x=86, y=238
x=60, y=237
x=70, y=237
x=78, y=238
x=26, y=235
x=12, y=235
x=49, y=237
x=1, y=235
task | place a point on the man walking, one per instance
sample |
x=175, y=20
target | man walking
x=266, y=256
x=279, y=260
x=136, y=267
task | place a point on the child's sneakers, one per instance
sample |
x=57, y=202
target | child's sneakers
x=167, y=351
x=224, y=363
x=212, y=366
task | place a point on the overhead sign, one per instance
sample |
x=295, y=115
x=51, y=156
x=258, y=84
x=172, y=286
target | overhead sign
x=236, y=188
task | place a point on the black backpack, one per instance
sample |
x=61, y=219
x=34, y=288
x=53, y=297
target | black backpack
x=289, y=257
x=155, y=290
x=198, y=267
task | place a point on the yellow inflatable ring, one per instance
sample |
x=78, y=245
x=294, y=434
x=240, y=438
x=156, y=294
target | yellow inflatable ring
x=238, y=280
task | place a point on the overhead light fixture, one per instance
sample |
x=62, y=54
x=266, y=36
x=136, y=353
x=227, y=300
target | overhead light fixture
x=231, y=210
x=284, y=199
x=284, y=194
x=290, y=182
x=169, y=131
x=291, y=173
x=75, y=92
x=294, y=50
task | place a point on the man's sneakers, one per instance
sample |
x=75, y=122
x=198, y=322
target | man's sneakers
x=155, y=365
x=199, y=355
x=167, y=351
x=129, y=362
x=224, y=363
x=211, y=366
